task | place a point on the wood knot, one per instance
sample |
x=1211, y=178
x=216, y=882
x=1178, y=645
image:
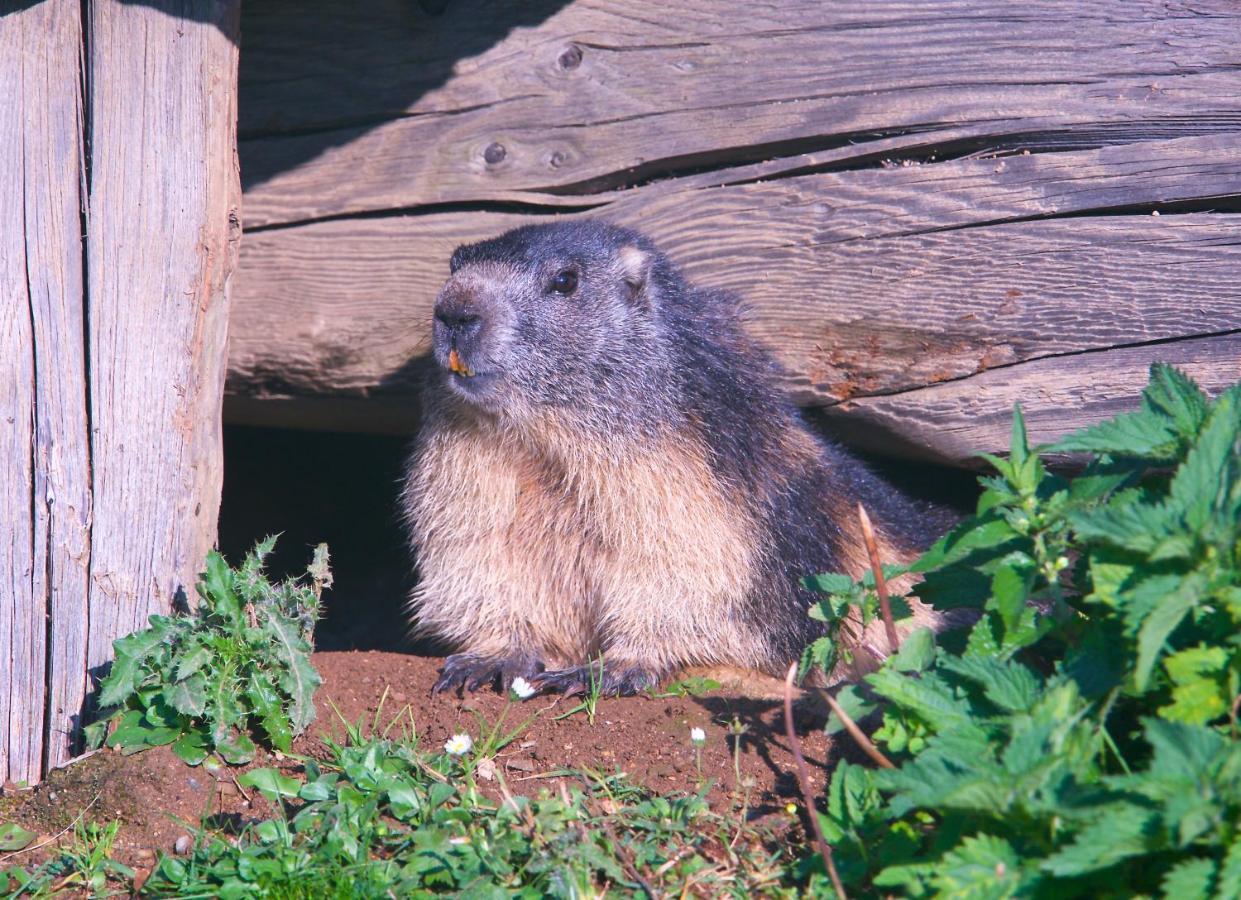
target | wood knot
x=494, y=153
x=571, y=58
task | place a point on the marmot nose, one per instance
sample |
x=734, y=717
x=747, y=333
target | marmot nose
x=461, y=321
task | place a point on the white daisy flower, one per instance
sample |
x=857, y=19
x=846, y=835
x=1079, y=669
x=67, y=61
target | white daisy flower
x=697, y=736
x=459, y=745
x=522, y=688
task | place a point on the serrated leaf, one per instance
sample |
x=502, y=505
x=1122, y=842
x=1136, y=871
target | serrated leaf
x=131, y=653
x=1122, y=834
x=320, y=570
x=216, y=588
x=1182, y=750
x=967, y=538
x=928, y=697
x=1201, y=482
x=275, y=722
x=829, y=583
x=191, y=662
x=1159, y=625
x=981, y=867
x=1191, y=879
x=299, y=678
x=1228, y=886
x=1171, y=407
x=271, y=783
x=1006, y=683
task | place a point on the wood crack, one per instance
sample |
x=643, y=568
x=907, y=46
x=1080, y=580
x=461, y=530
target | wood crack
x=1068, y=354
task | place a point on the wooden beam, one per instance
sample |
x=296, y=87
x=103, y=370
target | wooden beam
x=547, y=103
x=955, y=420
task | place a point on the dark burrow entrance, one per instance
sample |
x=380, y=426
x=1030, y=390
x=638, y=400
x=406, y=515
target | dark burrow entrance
x=343, y=489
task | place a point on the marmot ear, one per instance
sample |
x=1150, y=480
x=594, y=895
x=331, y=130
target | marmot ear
x=635, y=269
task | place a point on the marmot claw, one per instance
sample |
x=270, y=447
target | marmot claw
x=620, y=681
x=470, y=672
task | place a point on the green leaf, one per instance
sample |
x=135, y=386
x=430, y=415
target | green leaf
x=1229, y=885
x=131, y=653
x=192, y=661
x=967, y=538
x=216, y=587
x=1121, y=834
x=272, y=717
x=1201, y=482
x=134, y=733
x=981, y=866
x=1190, y=880
x=916, y=653
x=1159, y=625
x=1006, y=683
x=188, y=697
x=1172, y=413
x=929, y=697
x=14, y=837
x=298, y=678
x=829, y=583
x=271, y=783
x=856, y=707
x=236, y=749
x=191, y=748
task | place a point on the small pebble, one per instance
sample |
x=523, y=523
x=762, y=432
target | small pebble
x=182, y=845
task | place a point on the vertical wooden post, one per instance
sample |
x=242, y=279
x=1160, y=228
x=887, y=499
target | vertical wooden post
x=118, y=234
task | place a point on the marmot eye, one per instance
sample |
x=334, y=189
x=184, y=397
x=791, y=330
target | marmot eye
x=565, y=282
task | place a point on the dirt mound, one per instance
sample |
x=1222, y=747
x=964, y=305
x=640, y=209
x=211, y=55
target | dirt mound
x=156, y=796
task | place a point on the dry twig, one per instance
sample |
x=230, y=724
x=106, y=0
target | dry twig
x=881, y=586
x=858, y=734
x=803, y=781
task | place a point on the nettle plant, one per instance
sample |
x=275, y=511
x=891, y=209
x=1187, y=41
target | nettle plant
x=1080, y=738
x=235, y=668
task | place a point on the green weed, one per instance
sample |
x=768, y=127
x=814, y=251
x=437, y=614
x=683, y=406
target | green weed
x=204, y=682
x=84, y=868
x=1078, y=740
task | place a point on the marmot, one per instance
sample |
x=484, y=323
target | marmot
x=607, y=468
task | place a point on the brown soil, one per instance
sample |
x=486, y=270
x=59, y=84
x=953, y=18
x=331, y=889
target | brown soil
x=156, y=796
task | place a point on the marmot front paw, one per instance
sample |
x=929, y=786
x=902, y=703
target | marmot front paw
x=471, y=672
x=614, y=680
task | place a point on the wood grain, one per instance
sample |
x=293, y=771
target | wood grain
x=863, y=283
x=557, y=103
x=161, y=245
x=954, y=421
x=44, y=483
x=113, y=311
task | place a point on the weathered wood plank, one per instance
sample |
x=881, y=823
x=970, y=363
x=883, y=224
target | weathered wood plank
x=20, y=719
x=62, y=469
x=401, y=109
x=45, y=498
x=953, y=421
x=863, y=283
x=161, y=241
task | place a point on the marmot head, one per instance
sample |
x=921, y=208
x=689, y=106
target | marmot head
x=545, y=317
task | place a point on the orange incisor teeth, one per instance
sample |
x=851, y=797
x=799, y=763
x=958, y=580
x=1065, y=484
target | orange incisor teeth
x=456, y=365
